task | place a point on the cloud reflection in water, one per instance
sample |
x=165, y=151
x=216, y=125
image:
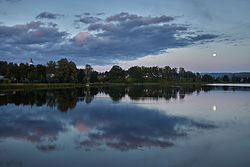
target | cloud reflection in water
x=104, y=124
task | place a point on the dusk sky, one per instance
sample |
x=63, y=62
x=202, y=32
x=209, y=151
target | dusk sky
x=178, y=33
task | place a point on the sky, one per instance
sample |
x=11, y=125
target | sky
x=177, y=33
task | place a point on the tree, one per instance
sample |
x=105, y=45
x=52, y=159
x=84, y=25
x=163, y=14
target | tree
x=198, y=76
x=80, y=75
x=235, y=79
x=3, y=67
x=182, y=72
x=93, y=77
x=32, y=73
x=167, y=72
x=21, y=69
x=66, y=71
x=17, y=74
x=207, y=78
x=116, y=74
x=40, y=73
x=174, y=73
x=155, y=71
x=88, y=70
x=189, y=75
x=51, y=71
x=136, y=73
x=225, y=78
x=72, y=74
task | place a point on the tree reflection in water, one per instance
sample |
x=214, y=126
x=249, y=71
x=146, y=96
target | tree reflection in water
x=103, y=125
x=65, y=99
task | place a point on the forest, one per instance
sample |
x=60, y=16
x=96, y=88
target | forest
x=64, y=71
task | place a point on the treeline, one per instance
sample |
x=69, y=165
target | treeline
x=64, y=71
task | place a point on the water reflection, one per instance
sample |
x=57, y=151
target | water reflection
x=119, y=127
x=214, y=108
x=35, y=127
x=85, y=124
x=67, y=99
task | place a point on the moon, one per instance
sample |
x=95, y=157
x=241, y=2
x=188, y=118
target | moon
x=214, y=55
x=214, y=108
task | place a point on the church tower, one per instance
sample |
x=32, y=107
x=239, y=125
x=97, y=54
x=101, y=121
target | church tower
x=31, y=62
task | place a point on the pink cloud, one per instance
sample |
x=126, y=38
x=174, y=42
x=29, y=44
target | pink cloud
x=38, y=33
x=81, y=126
x=81, y=37
x=34, y=24
x=20, y=27
x=30, y=25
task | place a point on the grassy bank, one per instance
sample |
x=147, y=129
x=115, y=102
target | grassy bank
x=77, y=85
x=149, y=83
x=39, y=86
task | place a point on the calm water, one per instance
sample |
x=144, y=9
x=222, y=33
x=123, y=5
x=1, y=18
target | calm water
x=126, y=126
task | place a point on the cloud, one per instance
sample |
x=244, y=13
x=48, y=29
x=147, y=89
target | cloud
x=122, y=127
x=27, y=127
x=127, y=36
x=99, y=14
x=81, y=37
x=133, y=129
x=47, y=148
x=118, y=37
x=87, y=13
x=126, y=18
x=48, y=15
x=23, y=39
x=78, y=15
x=30, y=33
x=89, y=20
x=204, y=37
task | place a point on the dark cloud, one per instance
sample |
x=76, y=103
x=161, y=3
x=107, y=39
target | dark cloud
x=130, y=127
x=126, y=18
x=52, y=24
x=27, y=127
x=87, y=13
x=30, y=33
x=122, y=36
x=88, y=20
x=24, y=39
x=99, y=14
x=48, y=15
x=204, y=37
x=125, y=37
x=78, y=15
x=47, y=148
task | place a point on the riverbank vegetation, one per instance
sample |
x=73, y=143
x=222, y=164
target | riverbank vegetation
x=64, y=71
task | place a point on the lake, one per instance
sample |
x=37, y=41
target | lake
x=127, y=126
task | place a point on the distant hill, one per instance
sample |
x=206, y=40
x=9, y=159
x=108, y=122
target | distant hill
x=240, y=74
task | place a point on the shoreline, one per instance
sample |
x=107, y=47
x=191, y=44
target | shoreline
x=25, y=86
x=15, y=86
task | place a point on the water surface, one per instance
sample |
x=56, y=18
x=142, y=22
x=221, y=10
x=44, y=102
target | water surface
x=126, y=126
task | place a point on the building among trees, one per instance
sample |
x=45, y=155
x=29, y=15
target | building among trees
x=31, y=62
